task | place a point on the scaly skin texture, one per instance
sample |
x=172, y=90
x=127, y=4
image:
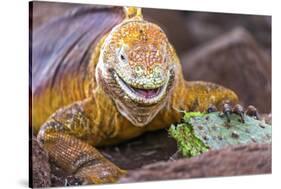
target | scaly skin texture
x=133, y=84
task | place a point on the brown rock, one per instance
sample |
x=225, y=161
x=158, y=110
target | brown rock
x=206, y=26
x=146, y=149
x=42, y=12
x=239, y=160
x=39, y=167
x=60, y=178
x=236, y=61
x=171, y=21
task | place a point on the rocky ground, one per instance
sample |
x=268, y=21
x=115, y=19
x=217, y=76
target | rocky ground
x=238, y=160
x=40, y=166
x=146, y=158
x=235, y=53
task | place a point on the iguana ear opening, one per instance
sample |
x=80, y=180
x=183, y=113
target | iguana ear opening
x=133, y=13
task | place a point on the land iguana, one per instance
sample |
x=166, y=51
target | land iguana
x=130, y=83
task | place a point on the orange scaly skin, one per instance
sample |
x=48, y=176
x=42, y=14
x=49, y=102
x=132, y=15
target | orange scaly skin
x=133, y=84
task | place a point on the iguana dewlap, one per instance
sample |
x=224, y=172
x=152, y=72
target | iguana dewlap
x=132, y=83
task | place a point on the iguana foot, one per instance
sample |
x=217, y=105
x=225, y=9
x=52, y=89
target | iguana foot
x=100, y=173
x=228, y=109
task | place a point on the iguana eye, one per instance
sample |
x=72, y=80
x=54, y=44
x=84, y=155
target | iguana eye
x=122, y=57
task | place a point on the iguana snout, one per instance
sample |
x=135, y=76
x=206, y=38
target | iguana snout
x=142, y=71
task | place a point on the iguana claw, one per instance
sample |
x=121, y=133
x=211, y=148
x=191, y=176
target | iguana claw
x=239, y=110
x=227, y=109
x=253, y=112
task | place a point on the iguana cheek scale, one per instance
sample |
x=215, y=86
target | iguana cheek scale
x=134, y=84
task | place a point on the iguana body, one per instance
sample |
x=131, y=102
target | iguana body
x=132, y=84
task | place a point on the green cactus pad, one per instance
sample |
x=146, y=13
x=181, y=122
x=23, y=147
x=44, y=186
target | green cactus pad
x=200, y=132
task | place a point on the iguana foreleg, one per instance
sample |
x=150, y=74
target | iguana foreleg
x=62, y=137
x=201, y=96
x=210, y=97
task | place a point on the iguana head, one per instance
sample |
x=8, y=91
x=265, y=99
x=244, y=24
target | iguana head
x=136, y=68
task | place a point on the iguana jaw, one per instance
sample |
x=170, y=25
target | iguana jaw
x=139, y=116
x=142, y=95
x=141, y=111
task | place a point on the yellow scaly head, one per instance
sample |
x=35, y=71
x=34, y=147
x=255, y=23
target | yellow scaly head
x=136, y=64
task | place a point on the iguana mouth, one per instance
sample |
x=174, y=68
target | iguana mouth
x=146, y=93
x=141, y=95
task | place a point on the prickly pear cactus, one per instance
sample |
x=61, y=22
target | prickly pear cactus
x=200, y=132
